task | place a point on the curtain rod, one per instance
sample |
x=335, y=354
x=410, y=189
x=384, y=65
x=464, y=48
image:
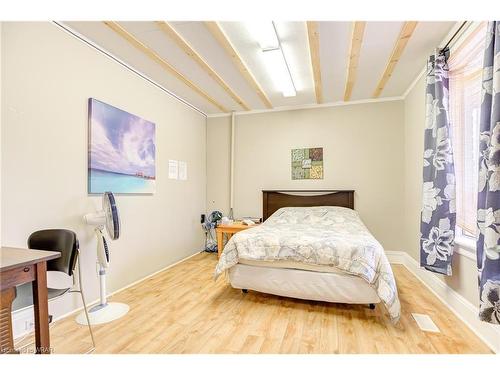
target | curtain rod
x=454, y=35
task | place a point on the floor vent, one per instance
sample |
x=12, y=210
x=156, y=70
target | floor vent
x=425, y=323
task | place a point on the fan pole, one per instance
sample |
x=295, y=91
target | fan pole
x=102, y=284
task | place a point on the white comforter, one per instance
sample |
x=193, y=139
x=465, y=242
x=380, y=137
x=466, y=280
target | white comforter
x=327, y=236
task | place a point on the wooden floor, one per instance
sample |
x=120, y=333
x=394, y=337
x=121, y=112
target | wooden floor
x=182, y=310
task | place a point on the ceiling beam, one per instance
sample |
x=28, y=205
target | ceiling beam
x=358, y=30
x=401, y=42
x=221, y=37
x=313, y=35
x=183, y=44
x=162, y=62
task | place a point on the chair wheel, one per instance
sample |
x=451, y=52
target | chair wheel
x=244, y=290
x=372, y=306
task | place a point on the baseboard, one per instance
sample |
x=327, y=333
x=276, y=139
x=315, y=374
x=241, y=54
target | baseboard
x=463, y=309
x=22, y=319
x=396, y=257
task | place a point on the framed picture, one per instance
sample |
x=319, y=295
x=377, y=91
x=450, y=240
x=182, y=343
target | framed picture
x=122, y=151
x=307, y=163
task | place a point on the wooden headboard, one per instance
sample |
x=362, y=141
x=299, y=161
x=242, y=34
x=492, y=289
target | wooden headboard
x=275, y=199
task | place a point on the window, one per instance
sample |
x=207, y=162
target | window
x=465, y=70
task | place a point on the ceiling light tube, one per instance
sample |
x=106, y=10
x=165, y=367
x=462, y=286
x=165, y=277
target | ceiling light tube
x=278, y=71
x=266, y=35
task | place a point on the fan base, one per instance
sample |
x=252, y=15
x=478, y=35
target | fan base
x=103, y=314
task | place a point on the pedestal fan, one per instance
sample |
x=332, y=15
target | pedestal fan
x=106, y=218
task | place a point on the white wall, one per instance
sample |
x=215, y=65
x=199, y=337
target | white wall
x=464, y=279
x=48, y=77
x=218, y=163
x=363, y=150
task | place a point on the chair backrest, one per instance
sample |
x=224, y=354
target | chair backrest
x=62, y=240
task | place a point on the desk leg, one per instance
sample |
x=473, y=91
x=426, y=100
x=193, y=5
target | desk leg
x=6, y=339
x=41, y=309
x=220, y=243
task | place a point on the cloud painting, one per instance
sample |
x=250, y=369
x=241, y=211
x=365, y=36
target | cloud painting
x=121, y=151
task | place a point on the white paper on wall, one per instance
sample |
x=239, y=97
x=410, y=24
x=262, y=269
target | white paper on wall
x=182, y=170
x=173, y=169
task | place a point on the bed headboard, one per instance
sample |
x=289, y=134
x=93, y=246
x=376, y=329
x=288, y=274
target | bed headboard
x=275, y=199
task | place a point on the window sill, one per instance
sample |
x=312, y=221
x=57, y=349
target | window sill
x=465, y=246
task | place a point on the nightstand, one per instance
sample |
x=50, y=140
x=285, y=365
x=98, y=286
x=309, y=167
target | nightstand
x=229, y=230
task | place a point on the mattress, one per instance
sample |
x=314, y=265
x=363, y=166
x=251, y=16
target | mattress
x=302, y=284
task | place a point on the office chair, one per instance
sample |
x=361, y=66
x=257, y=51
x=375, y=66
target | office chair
x=66, y=242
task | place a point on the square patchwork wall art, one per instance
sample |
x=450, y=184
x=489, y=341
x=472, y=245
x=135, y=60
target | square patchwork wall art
x=307, y=163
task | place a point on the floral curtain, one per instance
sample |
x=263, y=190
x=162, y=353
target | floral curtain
x=488, y=213
x=437, y=227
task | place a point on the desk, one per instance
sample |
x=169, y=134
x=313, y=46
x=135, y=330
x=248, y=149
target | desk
x=19, y=266
x=228, y=230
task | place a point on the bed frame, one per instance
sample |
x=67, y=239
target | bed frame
x=283, y=282
x=275, y=199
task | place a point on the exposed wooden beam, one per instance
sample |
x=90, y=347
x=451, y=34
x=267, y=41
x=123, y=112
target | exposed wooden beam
x=358, y=30
x=404, y=35
x=183, y=44
x=162, y=62
x=219, y=35
x=313, y=35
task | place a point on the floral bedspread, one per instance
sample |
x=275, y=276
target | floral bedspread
x=326, y=236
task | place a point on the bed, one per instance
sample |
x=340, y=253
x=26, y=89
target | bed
x=312, y=245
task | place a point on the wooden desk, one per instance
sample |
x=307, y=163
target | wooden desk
x=228, y=230
x=19, y=266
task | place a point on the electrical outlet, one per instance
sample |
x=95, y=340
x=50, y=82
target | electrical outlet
x=29, y=325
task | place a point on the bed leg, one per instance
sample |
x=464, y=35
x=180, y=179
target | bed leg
x=372, y=306
x=244, y=290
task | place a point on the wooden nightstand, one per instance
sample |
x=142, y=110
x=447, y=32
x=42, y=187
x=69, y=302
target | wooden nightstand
x=228, y=230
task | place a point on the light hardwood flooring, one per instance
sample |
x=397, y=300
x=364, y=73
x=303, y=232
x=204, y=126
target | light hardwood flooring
x=182, y=310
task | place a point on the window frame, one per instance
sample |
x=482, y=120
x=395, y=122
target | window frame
x=465, y=244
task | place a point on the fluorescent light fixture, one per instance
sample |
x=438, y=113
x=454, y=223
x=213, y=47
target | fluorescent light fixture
x=266, y=35
x=278, y=70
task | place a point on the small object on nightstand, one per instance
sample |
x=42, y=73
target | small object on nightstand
x=255, y=220
x=226, y=221
x=248, y=222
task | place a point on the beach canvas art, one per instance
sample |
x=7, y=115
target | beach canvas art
x=121, y=151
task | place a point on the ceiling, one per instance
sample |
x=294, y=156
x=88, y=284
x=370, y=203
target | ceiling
x=218, y=67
